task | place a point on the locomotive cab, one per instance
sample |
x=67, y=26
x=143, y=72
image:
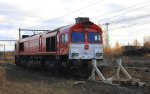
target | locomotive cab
x=85, y=41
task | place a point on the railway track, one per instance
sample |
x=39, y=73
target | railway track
x=143, y=69
x=12, y=66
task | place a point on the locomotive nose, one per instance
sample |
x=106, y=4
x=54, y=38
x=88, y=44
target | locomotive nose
x=85, y=51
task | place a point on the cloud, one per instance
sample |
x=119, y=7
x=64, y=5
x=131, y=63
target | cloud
x=9, y=34
x=6, y=26
x=11, y=12
x=37, y=14
x=128, y=35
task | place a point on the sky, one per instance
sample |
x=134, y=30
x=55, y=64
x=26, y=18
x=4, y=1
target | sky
x=51, y=14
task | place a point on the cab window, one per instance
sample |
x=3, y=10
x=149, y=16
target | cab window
x=77, y=37
x=93, y=37
x=64, y=38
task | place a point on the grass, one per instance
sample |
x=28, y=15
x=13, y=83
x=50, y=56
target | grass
x=18, y=81
x=12, y=61
x=143, y=76
x=22, y=82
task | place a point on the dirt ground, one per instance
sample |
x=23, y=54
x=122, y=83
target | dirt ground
x=22, y=81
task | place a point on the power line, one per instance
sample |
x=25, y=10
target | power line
x=43, y=26
x=90, y=6
x=129, y=19
x=76, y=10
x=72, y=12
x=130, y=25
x=32, y=30
x=125, y=12
x=121, y=9
x=101, y=15
x=8, y=40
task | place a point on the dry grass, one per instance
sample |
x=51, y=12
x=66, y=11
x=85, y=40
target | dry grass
x=143, y=76
x=18, y=81
x=12, y=61
x=9, y=57
x=21, y=82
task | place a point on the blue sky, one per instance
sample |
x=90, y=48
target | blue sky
x=38, y=14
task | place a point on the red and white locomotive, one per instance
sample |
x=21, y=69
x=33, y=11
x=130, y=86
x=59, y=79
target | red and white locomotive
x=69, y=48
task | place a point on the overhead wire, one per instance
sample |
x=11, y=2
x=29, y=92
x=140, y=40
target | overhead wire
x=131, y=19
x=125, y=13
x=76, y=10
x=72, y=12
x=128, y=19
x=103, y=14
x=136, y=24
x=121, y=9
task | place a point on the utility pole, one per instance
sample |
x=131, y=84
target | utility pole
x=19, y=33
x=106, y=36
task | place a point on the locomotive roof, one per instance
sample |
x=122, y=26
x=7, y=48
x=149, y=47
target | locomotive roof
x=30, y=37
x=63, y=29
x=78, y=25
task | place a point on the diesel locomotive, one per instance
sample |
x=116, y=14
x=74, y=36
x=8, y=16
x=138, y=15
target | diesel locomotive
x=68, y=49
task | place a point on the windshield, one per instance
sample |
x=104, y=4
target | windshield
x=94, y=37
x=77, y=37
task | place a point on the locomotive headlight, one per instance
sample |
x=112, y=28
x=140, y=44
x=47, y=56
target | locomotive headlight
x=98, y=54
x=75, y=54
